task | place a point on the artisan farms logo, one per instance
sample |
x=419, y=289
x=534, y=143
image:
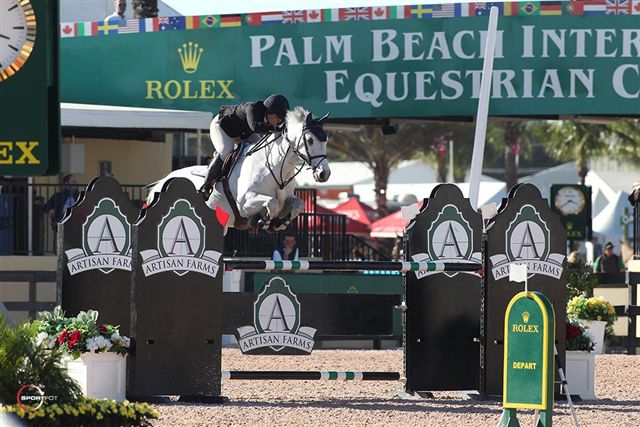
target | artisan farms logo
x=527, y=241
x=106, y=241
x=181, y=245
x=449, y=239
x=276, y=316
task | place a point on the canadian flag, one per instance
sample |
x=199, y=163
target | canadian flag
x=314, y=15
x=635, y=9
x=67, y=30
x=379, y=13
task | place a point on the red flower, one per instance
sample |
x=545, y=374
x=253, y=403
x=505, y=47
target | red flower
x=573, y=332
x=102, y=328
x=63, y=337
x=74, y=338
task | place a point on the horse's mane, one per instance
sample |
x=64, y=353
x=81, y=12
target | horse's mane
x=297, y=115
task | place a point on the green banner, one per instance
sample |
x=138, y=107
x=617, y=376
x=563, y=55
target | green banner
x=528, y=352
x=30, y=117
x=558, y=65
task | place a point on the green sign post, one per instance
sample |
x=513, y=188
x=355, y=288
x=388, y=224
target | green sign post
x=30, y=118
x=573, y=203
x=529, y=337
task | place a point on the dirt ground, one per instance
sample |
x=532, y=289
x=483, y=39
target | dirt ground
x=271, y=403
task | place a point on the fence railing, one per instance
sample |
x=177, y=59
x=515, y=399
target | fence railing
x=629, y=281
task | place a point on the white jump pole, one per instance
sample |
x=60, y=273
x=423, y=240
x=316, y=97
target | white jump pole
x=483, y=109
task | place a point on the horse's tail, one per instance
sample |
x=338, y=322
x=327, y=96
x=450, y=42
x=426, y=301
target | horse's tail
x=154, y=188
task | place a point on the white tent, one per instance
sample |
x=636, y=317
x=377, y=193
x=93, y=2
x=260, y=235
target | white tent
x=566, y=173
x=608, y=224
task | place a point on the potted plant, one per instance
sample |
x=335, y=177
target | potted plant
x=597, y=314
x=580, y=359
x=94, y=354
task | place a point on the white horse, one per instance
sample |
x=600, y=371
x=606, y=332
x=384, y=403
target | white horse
x=261, y=181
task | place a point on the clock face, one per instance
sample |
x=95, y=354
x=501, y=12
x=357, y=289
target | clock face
x=17, y=35
x=569, y=201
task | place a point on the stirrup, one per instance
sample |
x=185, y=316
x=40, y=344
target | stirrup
x=206, y=190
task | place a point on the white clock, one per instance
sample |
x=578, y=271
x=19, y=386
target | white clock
x=569, y=201
x=17, y=35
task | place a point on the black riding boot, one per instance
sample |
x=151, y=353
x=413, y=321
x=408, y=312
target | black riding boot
x=214, y=173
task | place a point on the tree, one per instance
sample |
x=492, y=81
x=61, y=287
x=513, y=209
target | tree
x=512, y=138
x=145, y=8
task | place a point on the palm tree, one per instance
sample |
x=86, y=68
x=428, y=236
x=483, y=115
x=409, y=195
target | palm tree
x=145, y=8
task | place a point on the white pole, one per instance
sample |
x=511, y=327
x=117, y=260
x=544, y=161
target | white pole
x=451, y=160
x=483, y=109
x=30, y=215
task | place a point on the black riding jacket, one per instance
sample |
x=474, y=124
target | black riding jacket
x=242, y=120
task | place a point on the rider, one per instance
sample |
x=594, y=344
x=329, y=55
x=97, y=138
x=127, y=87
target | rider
x=239, y=122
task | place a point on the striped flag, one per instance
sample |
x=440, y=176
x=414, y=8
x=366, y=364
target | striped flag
x=314, y=15
x=461, y=9
x=192, y=22
x=227, y=21
x=83, y=29
x=551, y=8
x=331, y=15
x=443, y=10
x=271, y=18
x=379, y=12
x=130, y=26
x=149, y=25
x=587, y=7
x=399, y=12
x=67, y=29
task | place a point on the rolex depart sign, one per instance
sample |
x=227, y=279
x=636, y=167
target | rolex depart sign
x=30, y=117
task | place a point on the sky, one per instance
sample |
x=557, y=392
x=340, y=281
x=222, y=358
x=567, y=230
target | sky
x=218, y=7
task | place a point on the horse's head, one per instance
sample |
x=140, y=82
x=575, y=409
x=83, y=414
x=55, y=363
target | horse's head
x=309, y=141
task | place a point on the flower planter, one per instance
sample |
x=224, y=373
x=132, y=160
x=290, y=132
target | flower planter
x=581, y=373
x=596, y=332
x=100, y=375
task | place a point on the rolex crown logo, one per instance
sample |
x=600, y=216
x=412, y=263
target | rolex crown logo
x=190, y=56
x=525, y=317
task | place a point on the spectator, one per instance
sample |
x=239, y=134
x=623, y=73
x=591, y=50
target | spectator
x=608, y=262
x=574, y=259
x=60, y=201
x=117, y=17
x=287, y=251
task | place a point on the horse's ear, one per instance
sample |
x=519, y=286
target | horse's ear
x=308, y=119
x=323, y=119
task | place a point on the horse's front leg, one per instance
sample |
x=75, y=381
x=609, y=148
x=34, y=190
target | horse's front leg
x=262, y=207
x=292, y=208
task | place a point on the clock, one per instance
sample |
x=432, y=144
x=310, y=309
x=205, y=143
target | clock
x=17, y=35
x=569, y=201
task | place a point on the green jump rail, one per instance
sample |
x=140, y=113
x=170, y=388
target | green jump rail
x=305, y=265
x=311, y=375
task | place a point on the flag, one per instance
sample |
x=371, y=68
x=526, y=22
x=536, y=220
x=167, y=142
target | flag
x=148, y=25
x=551, y=8
x=271, y=18
x=172, y=23
x=84, y=29
x=380, y=12
x=461, y=9
x=587, y=7
x=419, y=11
x=517, y=272
x=192, y=22
x=314, y=15
x=209, y=21
x=399, y=12
x=130, y=26
x=355, y=14
x=293, y=17
x=635, y=9
x=230, y=21
x=511, y=8
x=443, y=10
x=107, y=27
x=529, y=8
x=227, y=21
x=67, y=29
x=331, y=15
x=483, y=9
x=619, y=7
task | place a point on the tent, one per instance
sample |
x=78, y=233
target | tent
x=392, y=225
x=608, y=223
x=356, y=210
x=351, y=226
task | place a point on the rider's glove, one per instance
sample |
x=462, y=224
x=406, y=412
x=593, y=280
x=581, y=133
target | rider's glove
x=279, y=127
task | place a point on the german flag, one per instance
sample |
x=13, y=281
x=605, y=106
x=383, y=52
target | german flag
x=230, y=21
x=551, y=8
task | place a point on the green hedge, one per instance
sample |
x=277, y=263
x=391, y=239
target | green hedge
x=86, y=413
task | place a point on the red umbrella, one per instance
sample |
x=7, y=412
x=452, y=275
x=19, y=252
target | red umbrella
x=356, y=210
x=351, y=227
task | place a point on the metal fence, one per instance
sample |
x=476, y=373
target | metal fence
x=26, y=227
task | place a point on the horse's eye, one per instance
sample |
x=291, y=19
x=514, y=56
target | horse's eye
x=309, y=140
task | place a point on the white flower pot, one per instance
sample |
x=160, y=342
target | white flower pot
x=596, y=332
x=100, y=375
x=581, y=367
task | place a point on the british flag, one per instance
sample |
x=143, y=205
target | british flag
x=619, y=7
x=293, y=17
x=355, y=14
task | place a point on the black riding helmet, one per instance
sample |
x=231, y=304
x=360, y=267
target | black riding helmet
x=277, y=104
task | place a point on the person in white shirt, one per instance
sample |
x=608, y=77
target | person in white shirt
x=287, y=251
x=118, y=15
